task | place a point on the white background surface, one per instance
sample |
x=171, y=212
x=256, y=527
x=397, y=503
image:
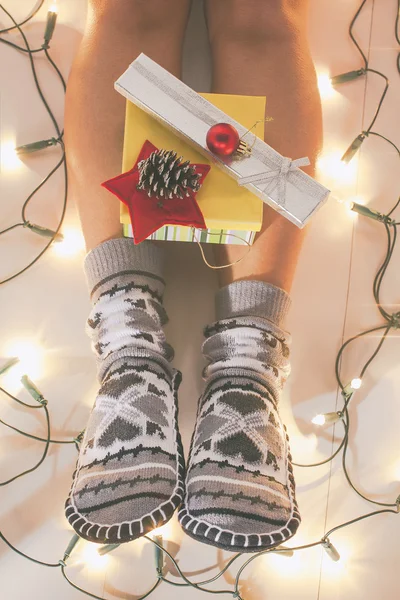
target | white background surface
x=332, y=301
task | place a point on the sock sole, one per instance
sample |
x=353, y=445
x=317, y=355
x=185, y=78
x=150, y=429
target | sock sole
x=124, y=532
x=240, y=542
x=129, y=531
x=242, y=539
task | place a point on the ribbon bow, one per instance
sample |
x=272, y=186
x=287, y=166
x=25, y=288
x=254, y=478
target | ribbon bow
x=278, y=176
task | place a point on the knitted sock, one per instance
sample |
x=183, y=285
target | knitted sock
x=129, y=474
x=240, y=488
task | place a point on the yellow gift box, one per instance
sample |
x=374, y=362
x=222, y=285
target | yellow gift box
x=227, y=207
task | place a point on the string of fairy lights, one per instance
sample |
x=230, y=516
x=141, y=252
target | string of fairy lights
x=390, y=322
x=49, y=234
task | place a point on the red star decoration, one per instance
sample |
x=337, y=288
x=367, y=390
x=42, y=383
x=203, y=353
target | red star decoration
x=146, y=213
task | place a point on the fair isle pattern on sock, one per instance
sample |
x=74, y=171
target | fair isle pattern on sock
x=240, y=490
x=129, y=477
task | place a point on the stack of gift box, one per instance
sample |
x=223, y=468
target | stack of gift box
x=165, y=114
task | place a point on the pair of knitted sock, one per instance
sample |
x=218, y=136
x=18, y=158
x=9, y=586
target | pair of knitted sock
x=238, y=492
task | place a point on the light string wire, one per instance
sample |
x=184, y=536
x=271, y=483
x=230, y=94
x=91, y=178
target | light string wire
x=392, y=322
x=32, y=14
x=59, y=133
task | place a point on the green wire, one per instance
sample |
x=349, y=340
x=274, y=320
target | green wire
x=46, y=449
x=3, y=391
x=186, y=579
x=360, y=518
x=74, y=585
x=391, y=241
x=34, y=560
x=34, y=437
x=18, y=25
x=59, y=137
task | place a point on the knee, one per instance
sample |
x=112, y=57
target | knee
x=253, y=21
x=142, y=16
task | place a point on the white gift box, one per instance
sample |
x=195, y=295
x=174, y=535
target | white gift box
x=275, y=179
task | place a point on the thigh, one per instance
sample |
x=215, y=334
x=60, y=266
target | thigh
x=252, y=20
x=142, y=15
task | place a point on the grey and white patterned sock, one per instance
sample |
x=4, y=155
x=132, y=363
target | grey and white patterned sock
x=130, y=470
x=240, y=490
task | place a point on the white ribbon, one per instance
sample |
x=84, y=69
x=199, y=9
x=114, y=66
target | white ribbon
x=279, y=176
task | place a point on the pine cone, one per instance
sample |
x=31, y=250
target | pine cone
x=164, y=176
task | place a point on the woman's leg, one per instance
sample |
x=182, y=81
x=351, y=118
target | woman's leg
x=260, y=47
x=129, y=476
x=117, y=31
x=240, y=485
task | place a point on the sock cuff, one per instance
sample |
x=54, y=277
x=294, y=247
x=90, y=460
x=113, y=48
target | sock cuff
x=248, y=298
x=122, y=254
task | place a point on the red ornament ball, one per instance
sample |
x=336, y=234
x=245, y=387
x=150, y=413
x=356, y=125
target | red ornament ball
x=222, y=139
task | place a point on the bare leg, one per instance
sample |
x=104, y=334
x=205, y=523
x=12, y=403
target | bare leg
x=260, y=47
x=240, y=447
x=133, y=425
x=116, y=33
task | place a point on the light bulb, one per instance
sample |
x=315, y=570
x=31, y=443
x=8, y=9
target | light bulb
x=325, y=87
x=351, y=387
x=327, y=418
x=336, y=172
x=157, y=532
x=71, y=244
x=355, y=205
x=50, y=23
x=31, y=359
x=93, y=558
x=163, y=531
x=318, y=420
x=347, y=203
x=336, y=568
x=353, y=148
x=356, y=383
x=279, y=563
x=53, y=6
x=107, y=548
x=284, y=551
x=33, y=390
x=371, y=213
x=10, y=160
x=330, y=549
